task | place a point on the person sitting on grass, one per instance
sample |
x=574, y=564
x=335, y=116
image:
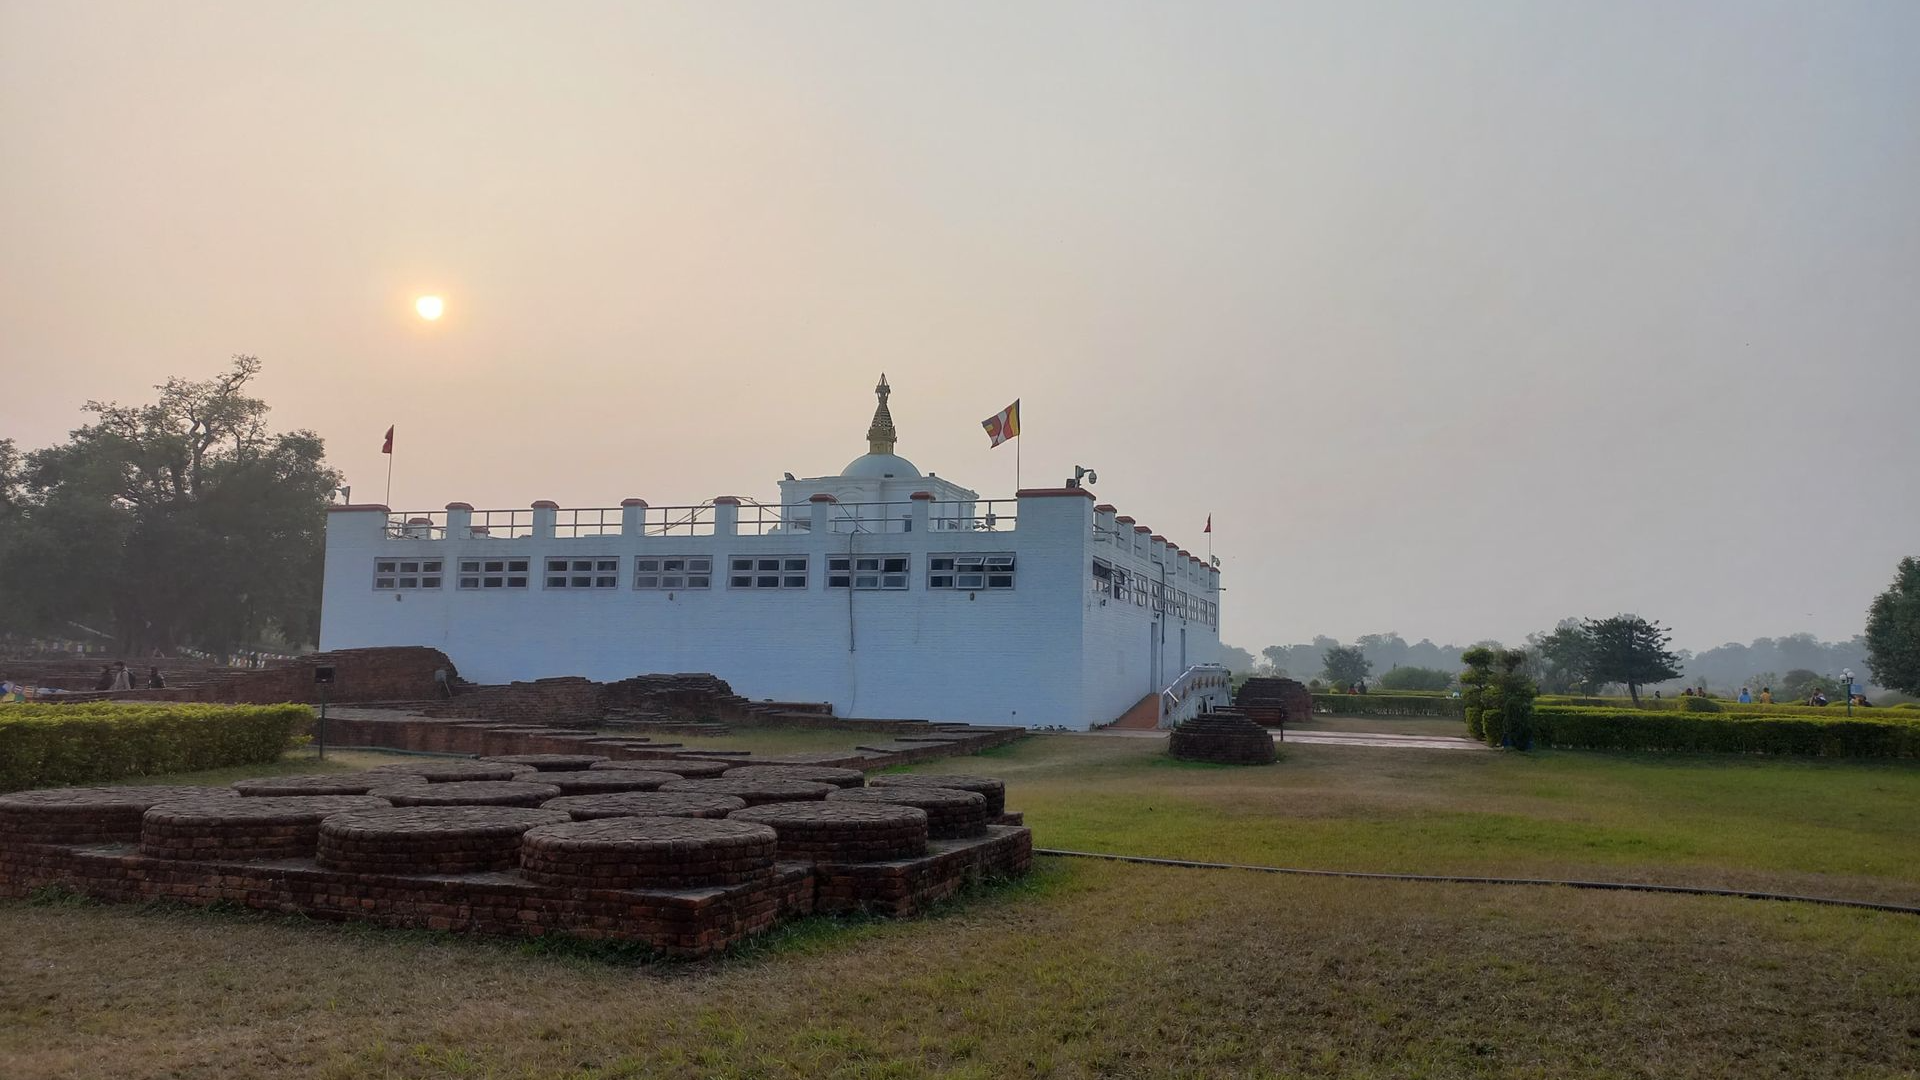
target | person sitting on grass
x=155, y=680
x=1819, y=698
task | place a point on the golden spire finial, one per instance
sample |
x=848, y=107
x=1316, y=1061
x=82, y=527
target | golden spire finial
x=881, y=436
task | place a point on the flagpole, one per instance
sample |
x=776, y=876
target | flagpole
x=389, y=497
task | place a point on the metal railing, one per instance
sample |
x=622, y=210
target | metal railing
x=1202, y=686
x=750, y=519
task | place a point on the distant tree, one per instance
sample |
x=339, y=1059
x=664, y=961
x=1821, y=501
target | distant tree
x=1559, y=658
x=1276, y=657
x=1798, y=685
x=1893, y=631
x=184, y=521
x=1416, y=678
x=1346, y=665
x=1630, y=650
x=1237, y=660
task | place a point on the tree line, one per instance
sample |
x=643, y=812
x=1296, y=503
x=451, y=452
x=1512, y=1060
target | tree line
x=181, y=522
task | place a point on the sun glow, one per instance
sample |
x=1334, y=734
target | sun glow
x=429, y=307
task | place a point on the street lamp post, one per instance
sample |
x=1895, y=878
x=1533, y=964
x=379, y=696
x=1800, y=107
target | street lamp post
x=1846, y=675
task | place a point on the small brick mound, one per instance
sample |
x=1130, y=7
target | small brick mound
x=89, y=815
x=606, y=781
x=261, y=827
x=952, y=814
x=469, y=793
x=994, y=790
x=816, y=774
x=755, y=792
x=345, y=783
x=647, y=853
x=550, y=762
x=685, y=768
x=842, y=832
x=451, y=772
x=1223, y=737
x=429, y=839
x=646, y=804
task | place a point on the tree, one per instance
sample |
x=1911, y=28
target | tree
x=1276, y=659
x=1346, y=665
x=1893, y=631
x=1560, y=657
x=1236, y=660
x=184, y=521
x=1798, y=685
x=1628, y=649
x=1416, y=678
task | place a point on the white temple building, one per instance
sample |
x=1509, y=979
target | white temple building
x=881, y=590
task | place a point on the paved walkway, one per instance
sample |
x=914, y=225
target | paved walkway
x=1376, y=740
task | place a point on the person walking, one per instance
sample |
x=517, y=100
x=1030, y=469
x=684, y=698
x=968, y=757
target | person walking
x=105, y=681
x=122, y=678
x=1745, y=698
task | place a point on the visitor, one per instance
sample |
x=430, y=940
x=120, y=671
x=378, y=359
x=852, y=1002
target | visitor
x=122, y=678
x=1745, y=698
x=442, y=684
x=1688, y=692
x=155, y=680
x=1656, y=695
x=1819, y=698
x=1766, y=695
x=105, y=681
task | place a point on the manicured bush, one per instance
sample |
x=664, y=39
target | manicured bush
x=50, y=745
x=1386, y=704
x=1833, y=735
x=1700, y=704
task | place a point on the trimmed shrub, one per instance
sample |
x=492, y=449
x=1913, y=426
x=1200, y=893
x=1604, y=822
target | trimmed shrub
x=1700, y=704
x=1735, y=733
x=50, y=745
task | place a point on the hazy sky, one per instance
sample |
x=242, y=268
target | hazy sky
x=1458, y=317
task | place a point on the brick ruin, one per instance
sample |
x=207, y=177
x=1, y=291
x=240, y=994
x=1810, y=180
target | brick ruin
x=1223, y=737
x=1273, y=702
x=685, y=866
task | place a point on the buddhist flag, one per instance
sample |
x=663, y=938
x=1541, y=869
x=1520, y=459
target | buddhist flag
x=1003, y=425
x=388, y=448
x=1209, y=527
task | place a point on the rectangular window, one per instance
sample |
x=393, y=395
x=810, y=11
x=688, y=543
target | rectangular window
x=673, y=572
x=767, y=572
x=406, y=573
x=970, y=572
x=502, y=573
x=867, y=571
x=596, y=572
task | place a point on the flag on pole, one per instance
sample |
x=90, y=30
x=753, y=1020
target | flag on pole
x=1209, y=527
x=1003, y=425
x=388, y=448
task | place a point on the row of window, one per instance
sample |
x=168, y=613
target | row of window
x=1117, y=583
x=960, y=572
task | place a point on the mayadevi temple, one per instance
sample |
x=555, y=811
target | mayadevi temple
x=881, y=590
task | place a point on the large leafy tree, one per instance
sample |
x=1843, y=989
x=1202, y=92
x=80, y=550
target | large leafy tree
x=1346, y=665
x=183, y=521
x=1893, y=631
x=1630, y=650
x=1559, y=657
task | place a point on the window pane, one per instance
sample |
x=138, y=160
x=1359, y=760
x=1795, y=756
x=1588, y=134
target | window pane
x=582, y=582
x=383, y=583
x=556, y=583
x=430, y=583
x=516, y=566
x=673, y=582
x=740, y=583
x=516, y=583
x=469, y=582
x=743, y=564
x=469, y=566
x=646, y=566
x=867, y=581
x=409, y=567
x=698, y=582
x=556, y=566
x=383, y=568
x=796, y=564
x=603, y=582
x=700, y=566
x=430, y=567
x=409, y=583
x=969, y=581
x=894, y=581
x=767, y=583
x=836, y=581
x=647, y=581
x=797, y=582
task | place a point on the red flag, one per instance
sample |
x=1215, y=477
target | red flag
x=388, y=448
x=1003, y=425
x=1209, y=527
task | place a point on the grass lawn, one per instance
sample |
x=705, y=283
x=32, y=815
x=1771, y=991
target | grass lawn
x=775, y=740
x=1095, y=969
x=1386, y=725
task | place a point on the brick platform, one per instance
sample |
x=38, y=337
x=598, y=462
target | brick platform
x=755, y=792
x=647, y=853
x=684, y=768
x=438, y=772
x=524, y=793
x=906, y=887
x=834, y=831
x=995, y=791
x=263, y=827
x=1223, y=737
x=551, y=762
x=607, y=781
x=646, y=804
x=951, y=813
x=88, y=815
x=816, y=774
x=347, y=783
x=429, y=839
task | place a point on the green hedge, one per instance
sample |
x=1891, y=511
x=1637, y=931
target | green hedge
x=1725, y=705
x=1400, y=704
x=49, y=745
x=1576, y=727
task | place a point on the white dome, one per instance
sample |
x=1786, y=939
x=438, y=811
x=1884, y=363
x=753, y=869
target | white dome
x=879, y=466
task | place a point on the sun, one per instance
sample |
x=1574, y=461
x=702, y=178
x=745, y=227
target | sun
x=429, y=307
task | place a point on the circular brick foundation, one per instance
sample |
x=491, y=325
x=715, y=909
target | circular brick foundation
x=261, y=827
x=647, y=853
x=994, y=790
x=448, y=772
x=469, y=793
x=815, y=774
x=755, y=792
x=684, y=768
x=346, y=783
x=550, y=762
x=429, y=839
x=606, y=781
x=837, y=831
x=645, y=804
x=89, y=815
x=951, y=813
x=1224, y=738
